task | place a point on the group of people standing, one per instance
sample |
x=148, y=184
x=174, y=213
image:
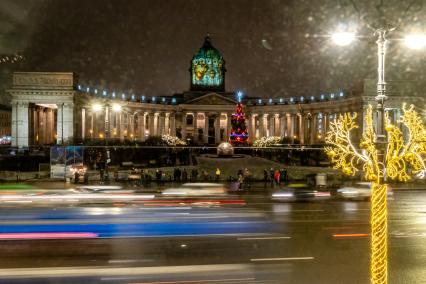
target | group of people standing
x=184, y=175
x=275, y=176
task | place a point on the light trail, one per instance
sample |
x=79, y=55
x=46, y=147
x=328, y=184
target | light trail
x=283, y=258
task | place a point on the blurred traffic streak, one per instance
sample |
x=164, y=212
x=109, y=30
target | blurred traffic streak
x=216, y=273
x=197, y=194
x=300, y=192
x=132, y=222
x=71, y=197
x=358, y=191
x=188, y=242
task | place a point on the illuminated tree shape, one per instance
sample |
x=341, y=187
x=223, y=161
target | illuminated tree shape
x=239, y=135
x=403, y=159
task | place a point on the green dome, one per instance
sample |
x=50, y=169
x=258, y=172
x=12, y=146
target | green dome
x=208, y=51
x=207, y=68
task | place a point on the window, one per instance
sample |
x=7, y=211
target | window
x=189, y=119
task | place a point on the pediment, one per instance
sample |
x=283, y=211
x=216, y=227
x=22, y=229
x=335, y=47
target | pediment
x=212, y=99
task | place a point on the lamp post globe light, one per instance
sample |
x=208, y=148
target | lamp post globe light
x=385, y=153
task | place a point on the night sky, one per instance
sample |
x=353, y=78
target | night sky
x=272, y=48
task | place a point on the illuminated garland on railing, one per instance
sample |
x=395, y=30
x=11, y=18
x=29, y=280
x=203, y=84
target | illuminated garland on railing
x=103, y=93
x=107, y=94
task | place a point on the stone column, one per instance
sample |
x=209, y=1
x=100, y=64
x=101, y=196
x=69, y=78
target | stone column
x=156, y=124
x=65, y=123
x=131, y=125
x=265, y=124
x=151, y=124
x=111, y=117
x=167, y=123
x=20, y=124
x=290, y=126
x=161, y=124
x=302, y=128
x=115, y=125
x=217, y=129
x=254, y=120
x=121, y=123
x=141, y=126
x=184, y=126
x=314, y=129
x=326, y=117
x=42, y=125
x=83, y=124
x=173, y=124
x=48, y=130
x=282, y=119
x=271, y=124
x=195, y=127
x=32, y=124
x=261, y=125
x=206, y=128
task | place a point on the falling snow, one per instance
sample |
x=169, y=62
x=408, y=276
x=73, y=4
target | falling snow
x=272, y=48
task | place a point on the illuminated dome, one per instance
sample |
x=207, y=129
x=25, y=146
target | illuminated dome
x=225, y=149
x=207, y=69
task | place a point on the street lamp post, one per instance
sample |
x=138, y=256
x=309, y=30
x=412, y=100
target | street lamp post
x=384, y=152
x=379, y=212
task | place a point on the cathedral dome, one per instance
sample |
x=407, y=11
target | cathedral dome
x=207, y=69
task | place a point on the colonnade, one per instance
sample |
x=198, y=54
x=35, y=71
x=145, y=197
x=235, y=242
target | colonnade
x=126, y=124
x=203, y=127
x=303, y=128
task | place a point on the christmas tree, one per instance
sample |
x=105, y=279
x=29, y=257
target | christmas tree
x=239, y=133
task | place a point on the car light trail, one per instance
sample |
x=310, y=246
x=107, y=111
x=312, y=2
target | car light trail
x=283, y=258
x=350, y=235
x=53, y=235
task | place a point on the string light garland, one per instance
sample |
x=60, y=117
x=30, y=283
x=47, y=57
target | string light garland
x=172, y=100
x=13, y=58
x=172, y=140
x=404, y=158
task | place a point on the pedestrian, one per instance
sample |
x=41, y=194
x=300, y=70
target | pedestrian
x=194, y=174
x=271, y=176
x=76, y=176
x=101, y=174
x=163, y=178
x=157, y=176
x=178, y=174
x=205, y=175
x=217, y=174
x=240, y=182
x=282, y=175
x=86, y=177
x=247, y=177
x=277, y=177
x=175, y=174
x=184, y=175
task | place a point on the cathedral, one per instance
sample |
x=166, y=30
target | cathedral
x=53, y=108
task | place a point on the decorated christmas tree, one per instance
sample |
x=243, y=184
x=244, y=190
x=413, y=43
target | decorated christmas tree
x=239, y=135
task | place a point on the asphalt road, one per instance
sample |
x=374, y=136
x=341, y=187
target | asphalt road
x=316, y=242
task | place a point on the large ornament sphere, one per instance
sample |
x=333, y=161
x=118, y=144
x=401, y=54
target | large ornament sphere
x=225, y=149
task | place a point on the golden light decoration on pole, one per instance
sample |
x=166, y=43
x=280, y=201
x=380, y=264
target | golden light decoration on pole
x=403, y=159
x=384, y=153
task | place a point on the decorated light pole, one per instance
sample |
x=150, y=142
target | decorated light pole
x=384, y=153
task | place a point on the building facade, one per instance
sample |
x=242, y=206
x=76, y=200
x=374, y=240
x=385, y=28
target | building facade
x=52, y=108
